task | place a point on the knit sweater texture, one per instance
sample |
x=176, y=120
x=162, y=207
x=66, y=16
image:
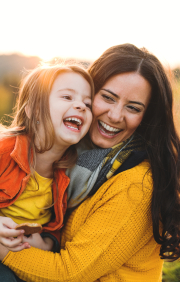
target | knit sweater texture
x=109, y=237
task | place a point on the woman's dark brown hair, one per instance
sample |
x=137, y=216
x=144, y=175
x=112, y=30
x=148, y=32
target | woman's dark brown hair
x=158, y=131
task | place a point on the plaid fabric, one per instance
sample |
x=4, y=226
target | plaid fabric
x=95, y=166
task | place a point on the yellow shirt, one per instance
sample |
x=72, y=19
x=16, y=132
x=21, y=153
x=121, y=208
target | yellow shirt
x=29, y=207
x=108, y=238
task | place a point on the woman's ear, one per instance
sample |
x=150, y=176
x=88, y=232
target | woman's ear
x=27, y=110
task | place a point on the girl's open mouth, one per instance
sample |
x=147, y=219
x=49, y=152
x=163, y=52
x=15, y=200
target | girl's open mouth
x=73, y=123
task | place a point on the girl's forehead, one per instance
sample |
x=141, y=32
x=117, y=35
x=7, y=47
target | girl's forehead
x=71, y=82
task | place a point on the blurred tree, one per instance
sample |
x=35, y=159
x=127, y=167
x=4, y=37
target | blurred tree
x=176, y=72
x=11, y=81
x=6, y=101
x=15, y=64
x=12, y=68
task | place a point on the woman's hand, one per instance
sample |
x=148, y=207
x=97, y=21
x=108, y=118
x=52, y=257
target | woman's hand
x=35, y=240
x=9, y=237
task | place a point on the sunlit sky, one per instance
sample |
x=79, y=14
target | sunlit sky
x=83, y=29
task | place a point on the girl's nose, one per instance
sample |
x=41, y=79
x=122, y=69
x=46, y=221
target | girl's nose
x=78, y=105
x=115, y=114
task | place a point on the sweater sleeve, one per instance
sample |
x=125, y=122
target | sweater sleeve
x=115, y=225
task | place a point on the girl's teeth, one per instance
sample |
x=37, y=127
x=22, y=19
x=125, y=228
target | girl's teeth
x=76, y=119
x=72, y=127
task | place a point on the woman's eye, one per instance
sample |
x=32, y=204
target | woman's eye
x=134, y=109
x=108, y=98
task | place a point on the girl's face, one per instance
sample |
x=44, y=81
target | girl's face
x=70, y=108
x=118, y=108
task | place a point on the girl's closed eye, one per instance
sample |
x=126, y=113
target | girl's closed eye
x=88, y=105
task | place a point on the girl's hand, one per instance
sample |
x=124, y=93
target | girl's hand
x=3, y=252
x=9, y=237
x=35, y=240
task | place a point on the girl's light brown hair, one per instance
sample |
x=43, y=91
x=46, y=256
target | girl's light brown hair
x=34, y=92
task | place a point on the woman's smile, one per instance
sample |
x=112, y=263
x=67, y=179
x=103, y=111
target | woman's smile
x=107, y=130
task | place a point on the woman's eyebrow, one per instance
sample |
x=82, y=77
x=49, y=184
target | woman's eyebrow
x=117, y=96
x=139, y=103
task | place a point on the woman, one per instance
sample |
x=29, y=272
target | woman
x=118, y=232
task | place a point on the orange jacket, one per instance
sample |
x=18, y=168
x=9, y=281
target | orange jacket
x=15, y=173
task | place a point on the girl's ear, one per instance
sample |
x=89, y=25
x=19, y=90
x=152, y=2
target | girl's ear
x=27, y=110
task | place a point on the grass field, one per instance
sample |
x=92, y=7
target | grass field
x=171, y=271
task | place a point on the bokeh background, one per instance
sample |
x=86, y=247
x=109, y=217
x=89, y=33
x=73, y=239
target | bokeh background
x=38, y=30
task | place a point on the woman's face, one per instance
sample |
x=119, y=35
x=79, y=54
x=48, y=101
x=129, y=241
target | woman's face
x=118, y=108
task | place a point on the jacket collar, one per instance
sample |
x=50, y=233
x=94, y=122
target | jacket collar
x=20, y=152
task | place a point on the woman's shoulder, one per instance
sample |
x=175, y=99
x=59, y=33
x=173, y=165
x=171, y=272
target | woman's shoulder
x=137, y=173
x=140, y=171
x=137, y=179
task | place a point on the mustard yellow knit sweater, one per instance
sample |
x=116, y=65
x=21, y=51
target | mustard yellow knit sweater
x=108, y=237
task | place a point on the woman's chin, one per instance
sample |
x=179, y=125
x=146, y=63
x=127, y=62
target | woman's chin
x=103, y=143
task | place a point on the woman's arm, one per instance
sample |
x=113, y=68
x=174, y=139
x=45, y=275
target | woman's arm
x=107, y=230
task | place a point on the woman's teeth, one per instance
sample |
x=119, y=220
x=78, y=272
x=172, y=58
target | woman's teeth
x=105, y=128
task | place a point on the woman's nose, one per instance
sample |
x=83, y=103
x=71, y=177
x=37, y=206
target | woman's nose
x=115, y=114
x=78, y=105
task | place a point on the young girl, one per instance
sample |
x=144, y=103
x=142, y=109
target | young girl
x=53, y=112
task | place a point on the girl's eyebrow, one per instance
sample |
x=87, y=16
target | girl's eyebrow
x=117, y=96
x=69, y=89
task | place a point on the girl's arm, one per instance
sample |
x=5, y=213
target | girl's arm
x=45, y=243
x=35, y=240
x=3, y=252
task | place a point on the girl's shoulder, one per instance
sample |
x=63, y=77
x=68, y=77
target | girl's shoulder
x=6, y=143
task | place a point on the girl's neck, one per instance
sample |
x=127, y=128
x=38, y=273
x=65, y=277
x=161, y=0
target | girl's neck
x=45, y=161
